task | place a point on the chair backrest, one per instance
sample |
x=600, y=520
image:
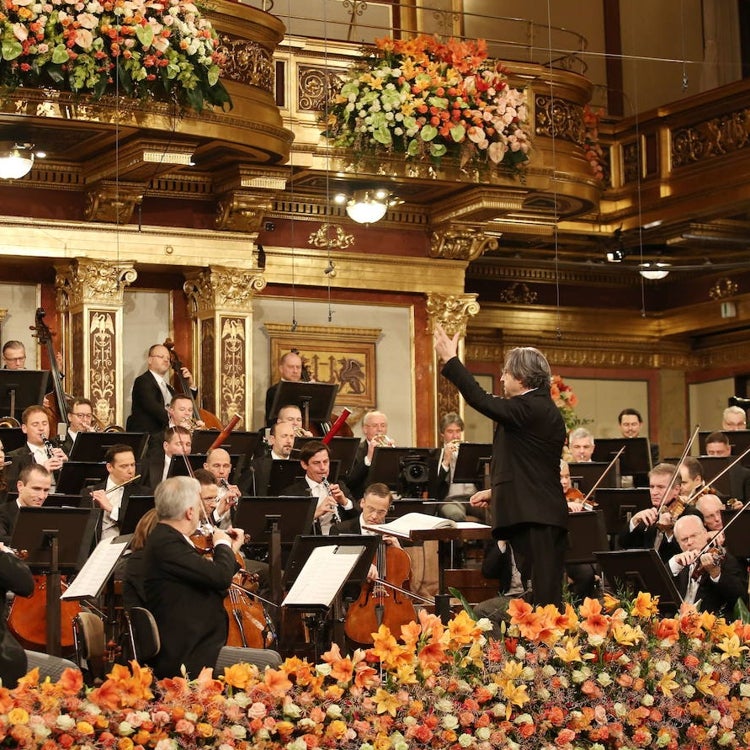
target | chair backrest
x=90, y=643
x=144, y=634
x=471, y=583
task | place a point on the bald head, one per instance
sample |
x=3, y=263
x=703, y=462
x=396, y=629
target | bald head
x=219, y=463
x=710, y=507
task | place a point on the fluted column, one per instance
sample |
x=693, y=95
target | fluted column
x=221, y=306
x=452, y=312
x=90, y=303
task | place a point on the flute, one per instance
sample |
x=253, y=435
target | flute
x=124, y=484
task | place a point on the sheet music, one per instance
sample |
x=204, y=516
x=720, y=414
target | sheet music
x=97, y=569
x=324, y=573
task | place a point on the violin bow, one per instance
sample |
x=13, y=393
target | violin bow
x=698, y=491
x=673, y=481
x=604, y=474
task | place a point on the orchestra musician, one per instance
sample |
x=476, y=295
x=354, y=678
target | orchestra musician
x=717, y=444
x=15, y=577
x=375, y=432
x=255, y=480
x=631, y=422
x=290, y=370
x=719, y=580
x=180, y=413
x=652, y=527
x=33, y=485
x=177, y=442
x=185, y=589
x=691, y=476
x=38, y=448
x=14, y=355
x=112, y=495
x=733, y=418
x=334, y=500
x=219, y=464
x=152, y=393
x=292, y=414
x=581, y=445
x=528, y=504
x=80, y=419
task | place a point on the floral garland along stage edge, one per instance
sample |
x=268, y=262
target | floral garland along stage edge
x=136, y=48
x=566, y=401
x=427, y=99
x=608, y=675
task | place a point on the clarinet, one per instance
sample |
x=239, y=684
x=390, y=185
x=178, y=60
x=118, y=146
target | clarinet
x=327, y=488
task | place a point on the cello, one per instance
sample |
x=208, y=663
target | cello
x=209, y=419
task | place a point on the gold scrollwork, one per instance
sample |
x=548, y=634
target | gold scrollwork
x=559, y=118
x=518, y=294
x=715, y=137
x=225, y=288
x=322, y=237
x=464, y=243
x=723, y=288
x=102, y=349
x=84, y=280
x=233, y=367
x=247, y=62
x=314, y=87
x=452, y=311
x=208, y=378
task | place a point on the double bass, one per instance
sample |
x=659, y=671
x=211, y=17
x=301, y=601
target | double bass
x=56, y=401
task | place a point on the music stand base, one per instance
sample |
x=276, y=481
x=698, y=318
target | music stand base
x=443, y=607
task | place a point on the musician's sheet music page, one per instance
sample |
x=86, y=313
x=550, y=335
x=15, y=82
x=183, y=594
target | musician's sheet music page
x=324, y=573
x=98, y=567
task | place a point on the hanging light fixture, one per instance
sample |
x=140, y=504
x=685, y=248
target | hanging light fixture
x=654, y=271
x=16, y=159
x=365, y=206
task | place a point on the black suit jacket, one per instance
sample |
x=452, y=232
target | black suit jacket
x=719, y=597
x=350, y=526
x=153, y=469
x=739, y=482
x=8, y=518
x=356, y=479
x=526, y=450
x=254, y=480
x=270, y=393
x=185, y=593
x=20, y=457
x=301, y=488
x=131, y=489
x=14, y=576
x=148, y=412
x=642, y=537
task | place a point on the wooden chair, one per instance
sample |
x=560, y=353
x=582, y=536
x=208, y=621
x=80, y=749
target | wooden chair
x=144, y=634
x=90, y=643
x=471, y=583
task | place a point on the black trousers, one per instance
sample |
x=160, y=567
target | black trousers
x=540, y=556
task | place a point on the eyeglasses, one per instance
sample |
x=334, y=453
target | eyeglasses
x=14, y=359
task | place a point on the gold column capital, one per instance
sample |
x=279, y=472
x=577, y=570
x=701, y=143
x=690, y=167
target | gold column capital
x=460, y=242
x=83, y=280
x=452, y=311
x=223, y=288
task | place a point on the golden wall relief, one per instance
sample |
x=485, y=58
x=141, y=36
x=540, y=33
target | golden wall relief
x=208, y=381
x=715, y=137
x=102, y=356
x=233, y=367
x=558, y=118
x=341, y=356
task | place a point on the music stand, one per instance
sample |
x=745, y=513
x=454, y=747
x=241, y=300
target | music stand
x=343, y=450
x=471, y=462
x=21, y=388
x=635, y=459
x=585, y=474
x=620, y=504
x=386, y=466
x=294, y=514
x=713, y=465
x=201, y=440
x=75, y=528
x=75, y=475
x=315, y=400
x=283, y=474
x=587, y=535
x=641, y=570
x=58, y=500
x=738, y=534
x=12, y=438
x=136, y=506
x=91, y=446
x=238, y=442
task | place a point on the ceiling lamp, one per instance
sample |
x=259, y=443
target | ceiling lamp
x=366, y=206
x=16, y=160
x=654, y=271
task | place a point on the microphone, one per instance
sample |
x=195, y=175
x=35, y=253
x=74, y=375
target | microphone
x=62, y=433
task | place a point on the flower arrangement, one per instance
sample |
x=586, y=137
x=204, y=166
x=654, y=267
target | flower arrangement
x=428, y=99
x=605, y=676
x=566, y=401
x=591, y=146
x=139, y=48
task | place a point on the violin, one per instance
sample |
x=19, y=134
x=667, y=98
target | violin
x=380, y=603
x=210, y=420
x=717, y=557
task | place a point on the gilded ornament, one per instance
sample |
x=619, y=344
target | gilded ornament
x=518, y=294
x=322, y=238
x=452, y=311
x=559, y=118
x=91, y=281
x=461, y=243
x=221, y=288
x=723, y=288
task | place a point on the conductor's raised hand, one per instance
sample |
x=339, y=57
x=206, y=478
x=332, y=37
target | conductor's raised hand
x=445, y=346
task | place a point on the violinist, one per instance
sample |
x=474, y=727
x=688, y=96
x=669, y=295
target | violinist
x=38, y=449
x=290, y=369
x=573, y=495
x=691, y=476
x=703, y=575
x=733, y=418
x=710, y=507
x=80, y=419
x=15, y=577
x=652, y=527
x=185, y=590
x=717, y=444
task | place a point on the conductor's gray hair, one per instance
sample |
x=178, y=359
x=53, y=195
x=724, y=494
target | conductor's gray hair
x=529, y=366
x=174, y=496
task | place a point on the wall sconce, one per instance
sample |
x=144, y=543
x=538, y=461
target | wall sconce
x=365, y=206
x=654, y=271
x=16, y=160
